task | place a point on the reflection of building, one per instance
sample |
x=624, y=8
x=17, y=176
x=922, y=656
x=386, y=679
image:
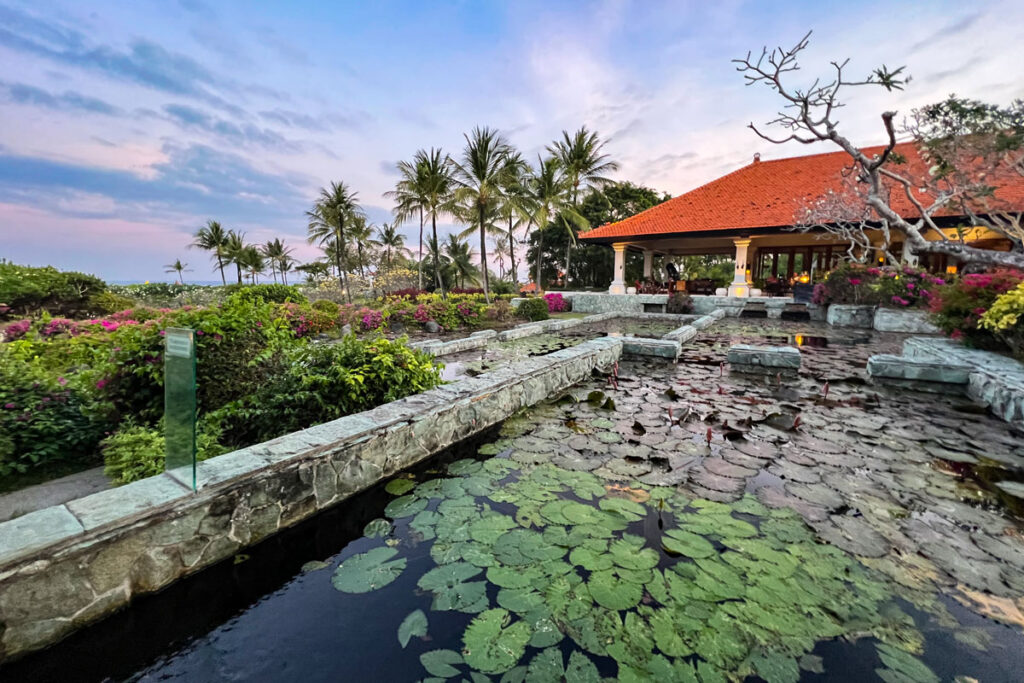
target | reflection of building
x=749, y=215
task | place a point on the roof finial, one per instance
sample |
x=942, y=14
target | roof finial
x=757, y=157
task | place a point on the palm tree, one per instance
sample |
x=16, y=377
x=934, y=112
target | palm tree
x=212, y=237
x=460, y=259
x=584, y=163
x=391, y=241
x=361, y=235
x=500, y=251
x=548, y=192
x=275, y=251
x=515, y=206
x=179, y=268
x=480, y=174
x=234, y=248
x=336, y=207
x=284, y=265
x=251, y=259
x=411, y=197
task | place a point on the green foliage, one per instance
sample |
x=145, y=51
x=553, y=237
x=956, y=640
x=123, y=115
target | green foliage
x=413, y=625
x=108, y=302
x=679, y=303
x=43, y=417
x=26, y=289
x=533, y=309
x=271, y=293
x=326, y=306
x=958, y=307
x=135, y=452
x=719, y=269
x=890, y=286
x=503, y=287
x=368, y=571
x=320, y=382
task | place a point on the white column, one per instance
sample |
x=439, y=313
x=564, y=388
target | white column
x=740, y=285
x=618, y=285
x=648, y=263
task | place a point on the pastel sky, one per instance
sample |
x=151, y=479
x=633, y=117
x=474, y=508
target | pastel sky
x=125, y=126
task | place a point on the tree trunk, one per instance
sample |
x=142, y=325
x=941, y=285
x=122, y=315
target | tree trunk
x=437, y=260
x=568, y=259
x=220, y=266
x=483, y=256
x=512, y=251
x=419, y=267
x=341, y=246
x=239, y=268
x=540, y=258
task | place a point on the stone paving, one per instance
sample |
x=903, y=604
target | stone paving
x=923, y=487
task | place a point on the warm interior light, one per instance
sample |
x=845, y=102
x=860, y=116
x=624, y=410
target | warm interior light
x=805, y=278
x=951, y=270
x=799, y=339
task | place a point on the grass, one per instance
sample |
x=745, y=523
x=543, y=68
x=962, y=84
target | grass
x=568, y=315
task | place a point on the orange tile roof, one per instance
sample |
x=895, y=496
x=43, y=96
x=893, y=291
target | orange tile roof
x=766, y=194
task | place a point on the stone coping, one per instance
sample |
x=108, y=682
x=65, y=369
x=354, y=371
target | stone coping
x=890, y=366
x=66, y=566
x=994, y=380
x=743, y=356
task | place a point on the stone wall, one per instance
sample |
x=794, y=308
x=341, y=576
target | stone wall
x=851, y=315
x=907, y=322
x=64, y=567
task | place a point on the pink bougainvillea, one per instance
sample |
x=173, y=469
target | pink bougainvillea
x=556, y=303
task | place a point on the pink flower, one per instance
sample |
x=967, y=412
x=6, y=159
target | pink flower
x=910, y=285
x=61, y=381
x=854, y=281
x=9, y=406
x=100, y=384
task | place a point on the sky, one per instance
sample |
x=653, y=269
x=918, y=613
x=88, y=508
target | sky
x=124, y=127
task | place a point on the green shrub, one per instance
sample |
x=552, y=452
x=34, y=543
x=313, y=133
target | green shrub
x=42, y=418
x=326, y=306
x=502, y=287
x=107, y=302
x=26, y=289
x=323, y=382
x=958, y=307
x=533, y=309
x=271, y=293
x=135, y=452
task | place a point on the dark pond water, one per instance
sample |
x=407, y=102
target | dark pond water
x=681, y=525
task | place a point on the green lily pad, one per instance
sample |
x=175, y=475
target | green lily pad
x=415, y=624
x=628, y=556
x=368, y=571
x=406, y=506
x=452, y=589
x=492, y=644
x=591, y=560
x=377, y=527
x=581, y=669
x=546, y=667
x=488, y=529
x=629, y=509
x=398, y=487
x=612, y=592
x=907, y=666
x=441, y=663
x=686, y=543
x=520, y=600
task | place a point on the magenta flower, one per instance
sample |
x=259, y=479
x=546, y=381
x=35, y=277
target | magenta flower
x=100, y=384
x=854, y=281
x=10, y=406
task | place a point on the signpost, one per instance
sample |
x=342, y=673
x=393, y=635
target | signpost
x=180, y=403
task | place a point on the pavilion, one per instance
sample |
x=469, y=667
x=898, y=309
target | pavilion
x=751, y=213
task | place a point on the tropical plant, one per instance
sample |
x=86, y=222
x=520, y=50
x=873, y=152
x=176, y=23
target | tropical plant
x=480, y=174
x=361, y=234
x=336, y=207
x=533, y=309
x=550, y=197
x=584, y=164
x=179, y=268
x=278, y=255
x=213, y=237
x=460, y=260
x=391, y=241
x=234, y=249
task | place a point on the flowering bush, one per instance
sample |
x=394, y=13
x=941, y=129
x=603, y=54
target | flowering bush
x=1005, y=319
x=372, y=319
x=17, y=330
x=890, y=286
x=957, y=308
x=556, y=303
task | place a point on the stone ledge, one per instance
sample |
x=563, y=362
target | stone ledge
x=907, y=322
x=887, y=366
x=643, y=346
x=850, y=315
x=744, y=357
x=56, y=575
x=521, y=331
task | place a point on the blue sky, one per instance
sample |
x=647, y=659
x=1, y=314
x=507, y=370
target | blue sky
x=125, y=126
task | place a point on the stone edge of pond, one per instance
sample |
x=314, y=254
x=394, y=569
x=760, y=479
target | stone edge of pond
x=67, y=566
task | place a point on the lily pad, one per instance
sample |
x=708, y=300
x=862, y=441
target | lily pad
x=413, y=625
x=398, y=487
x=368, y=571
x=686, y=543
x=612, y=592
x=493, y=645
x=406, y=506
x=452, y=589
x=377, y=527
x=441, y=663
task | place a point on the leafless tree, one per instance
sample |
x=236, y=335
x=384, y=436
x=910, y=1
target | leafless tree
x=810, y=116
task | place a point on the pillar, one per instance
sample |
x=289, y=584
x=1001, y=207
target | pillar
x=648, y=263
x=618, y=285
x=740, y=284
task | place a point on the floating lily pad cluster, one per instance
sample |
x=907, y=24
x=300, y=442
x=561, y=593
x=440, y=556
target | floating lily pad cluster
x=640, y=582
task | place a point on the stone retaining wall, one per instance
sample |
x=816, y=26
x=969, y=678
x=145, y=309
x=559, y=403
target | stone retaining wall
x=64, y=567
x=851, y=315
x=994, y=380
x=764, y=359
x=907, y=322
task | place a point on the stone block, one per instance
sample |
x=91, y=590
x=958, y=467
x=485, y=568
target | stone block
x=851, y=315
x=127, y=501
x=907, y=322
x=743, y=357
x=21, y=536
x=520, y=331
x=659, y=348
x=888, y=366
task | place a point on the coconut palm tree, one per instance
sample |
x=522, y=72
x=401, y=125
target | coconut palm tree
x=480, y=173
x=411, y=197
x=391, y=241
x=500, y=253
x=275, y=251
x=212, y=237
x=361, y=234
x=335, y=208
x=284, y=266
x=584, y=164
x=548, y=193
x=515, y=207
x=234, y=247
x=460, y=259
x=179, y=268
x=252, y=261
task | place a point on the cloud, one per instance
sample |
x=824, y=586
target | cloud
x=954, y=28
x=69, y=100
x=246, y=133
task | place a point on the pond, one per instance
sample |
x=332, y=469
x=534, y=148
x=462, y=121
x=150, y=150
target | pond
x=679, y=523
